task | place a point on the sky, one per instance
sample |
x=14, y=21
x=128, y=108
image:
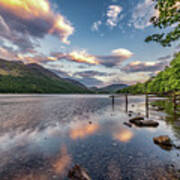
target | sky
x=97, y=42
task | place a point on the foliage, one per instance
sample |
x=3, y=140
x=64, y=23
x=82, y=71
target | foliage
x=168, y=16
x=166, y=81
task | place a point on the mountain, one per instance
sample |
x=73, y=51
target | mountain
x=75, y=82
x=17, y=77
x=109, y=89
x=167, y=80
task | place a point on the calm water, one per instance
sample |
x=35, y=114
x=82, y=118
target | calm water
x=42, y=137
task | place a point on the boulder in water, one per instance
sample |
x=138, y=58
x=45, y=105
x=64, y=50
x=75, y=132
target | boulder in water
x=163, y=140
x=144, y=123
x=135, y=119
x=128, y=124
x=78, y=173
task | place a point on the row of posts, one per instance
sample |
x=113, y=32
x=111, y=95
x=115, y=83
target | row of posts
x=126, y=103
x=175, y=100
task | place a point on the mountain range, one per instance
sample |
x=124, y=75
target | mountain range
x=110, y=88
x=17, y=77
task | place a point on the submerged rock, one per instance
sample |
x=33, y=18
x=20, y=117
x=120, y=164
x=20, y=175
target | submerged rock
x=163, y=140
x=158, y=108
x=131, y=112
x=127, y=124
x=147, y=123
x=129, y=115
x=135, y=119
x=78, y=173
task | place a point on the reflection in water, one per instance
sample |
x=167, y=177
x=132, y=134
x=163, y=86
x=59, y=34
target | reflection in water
x=114, y=171
x=42, y=137
x=123, y=135
x=83, y=130
x=63, y=162
x=32, y=177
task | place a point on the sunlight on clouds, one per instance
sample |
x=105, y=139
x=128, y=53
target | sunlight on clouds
x=83, y=56
x=148, y=63
x=32, y=10
x=27, y=9
x=35, y=59
x=122, y=52
x=63, y=26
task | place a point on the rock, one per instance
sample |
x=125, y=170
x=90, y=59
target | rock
x=139, y=121
x=177, y=147
x=158, y=108
x=148, y=123
x=163, y=140
x=129, y=115
x=78, y=173
x=114, y=144
x=133, y=120
x=127, y=124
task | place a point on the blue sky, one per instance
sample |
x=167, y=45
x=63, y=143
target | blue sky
x=97, y=42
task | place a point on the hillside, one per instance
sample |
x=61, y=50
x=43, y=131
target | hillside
x=16, y=77
x=166, y=81
x=109, y=89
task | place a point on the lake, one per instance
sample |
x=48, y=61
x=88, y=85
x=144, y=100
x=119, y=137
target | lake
x=43, y=136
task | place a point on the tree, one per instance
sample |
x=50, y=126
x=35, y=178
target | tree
x=168, y=16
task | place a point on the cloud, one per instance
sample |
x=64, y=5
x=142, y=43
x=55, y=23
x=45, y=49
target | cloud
x=113, y=15
x=9, y=55
x=116, y=57
x=90, y=81
x=92, y=73
x=164, y=58
x=24, y=21
x=95, y=26
x=138, y=66
x=142, y=14
x=60, y=73
x=82, y=57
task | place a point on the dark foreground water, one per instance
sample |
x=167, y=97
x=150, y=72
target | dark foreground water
x=42, y=137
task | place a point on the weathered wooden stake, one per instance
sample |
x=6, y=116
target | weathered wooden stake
x=113, y=102
x=126, y=104
x=147, y=106
x=174, y=102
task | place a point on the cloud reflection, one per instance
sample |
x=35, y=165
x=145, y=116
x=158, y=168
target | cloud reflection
x=32, y=177
x=83, y=130
x=123, y=135
x=62, y=163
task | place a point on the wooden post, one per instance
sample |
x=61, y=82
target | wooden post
x=112, y=99
x=174, y=102
x=126, y=102
x=147, y=105
x=113, y=102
